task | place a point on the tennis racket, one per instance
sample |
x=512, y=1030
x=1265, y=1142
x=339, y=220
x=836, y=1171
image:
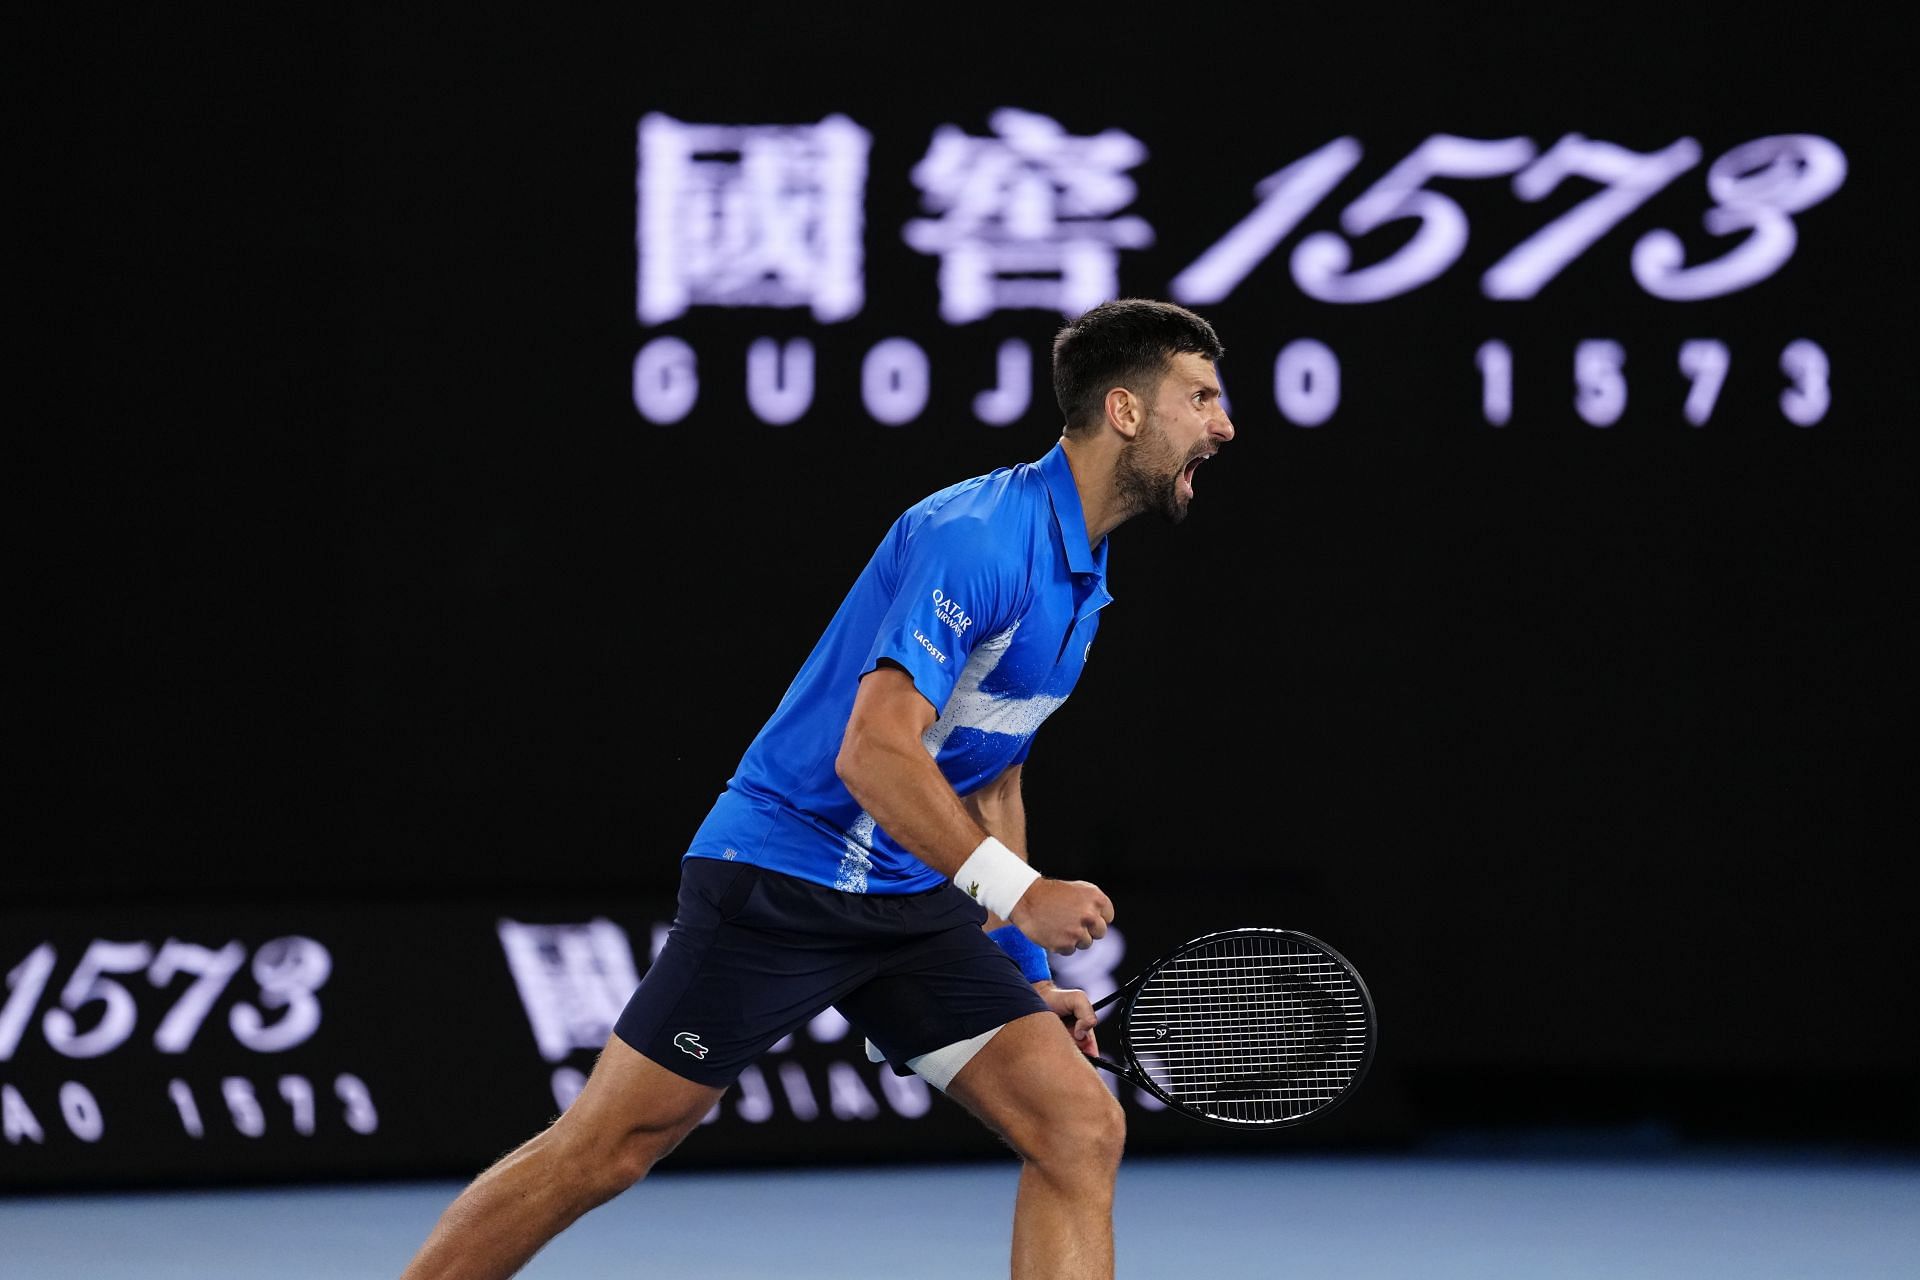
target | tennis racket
x=1248, y=1028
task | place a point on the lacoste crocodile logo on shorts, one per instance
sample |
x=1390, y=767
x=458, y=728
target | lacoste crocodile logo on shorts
x=688, y=1042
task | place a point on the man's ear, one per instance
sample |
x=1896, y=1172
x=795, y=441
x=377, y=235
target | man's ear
x=1123, y=411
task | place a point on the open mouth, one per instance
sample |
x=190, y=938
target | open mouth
x=1187, y=472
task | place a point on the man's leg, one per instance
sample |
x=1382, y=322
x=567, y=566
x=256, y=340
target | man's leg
x=1031, y=1085
x=630, y=1114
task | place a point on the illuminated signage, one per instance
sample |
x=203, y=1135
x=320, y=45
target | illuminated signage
x=98, y=1009
x=1028, y=217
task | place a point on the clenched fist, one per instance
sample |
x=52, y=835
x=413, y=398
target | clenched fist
x=1064, y=916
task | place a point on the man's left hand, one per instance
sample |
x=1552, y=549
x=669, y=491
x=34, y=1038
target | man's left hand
x=1075, y=1010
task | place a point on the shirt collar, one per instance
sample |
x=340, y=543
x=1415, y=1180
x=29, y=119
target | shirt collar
x=1069, y=515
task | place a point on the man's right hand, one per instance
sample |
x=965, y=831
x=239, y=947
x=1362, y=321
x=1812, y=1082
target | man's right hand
x=1063, y=916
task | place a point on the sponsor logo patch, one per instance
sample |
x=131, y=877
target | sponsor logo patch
x=949, y=611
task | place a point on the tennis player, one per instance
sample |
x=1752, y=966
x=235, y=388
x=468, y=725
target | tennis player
x=870, y=852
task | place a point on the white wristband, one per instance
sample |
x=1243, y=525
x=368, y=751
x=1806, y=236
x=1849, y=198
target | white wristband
x=995, y=876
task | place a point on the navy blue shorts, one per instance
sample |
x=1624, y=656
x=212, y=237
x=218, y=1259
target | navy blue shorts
x=753, y=954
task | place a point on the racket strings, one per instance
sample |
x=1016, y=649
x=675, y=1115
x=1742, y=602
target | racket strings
x=1251, y=1029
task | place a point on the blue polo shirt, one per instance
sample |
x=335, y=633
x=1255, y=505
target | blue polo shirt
x=988, y=595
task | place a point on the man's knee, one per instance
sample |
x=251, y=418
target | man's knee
x=1106, y=1126
x=631, y=1114
x=632, y=1158
x=1085, y=1130
x=602, y=1165
x=1031, y=1086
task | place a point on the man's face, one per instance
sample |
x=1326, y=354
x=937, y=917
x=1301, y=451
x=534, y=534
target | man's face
x=1184, y=426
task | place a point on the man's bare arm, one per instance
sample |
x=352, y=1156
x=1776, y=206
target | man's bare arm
x=1001, y=810
x=885, y=764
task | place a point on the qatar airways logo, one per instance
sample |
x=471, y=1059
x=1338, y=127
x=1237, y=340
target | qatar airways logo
x=948, y=610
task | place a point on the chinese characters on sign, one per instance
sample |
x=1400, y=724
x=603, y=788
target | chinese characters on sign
x=751, y=216
x=573, y=981
x=1026, y=218
x=1029, y=216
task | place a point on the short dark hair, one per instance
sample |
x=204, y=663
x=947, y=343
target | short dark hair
x=1128, y=342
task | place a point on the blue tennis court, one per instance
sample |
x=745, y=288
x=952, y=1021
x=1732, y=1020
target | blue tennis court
x=1434, y=1218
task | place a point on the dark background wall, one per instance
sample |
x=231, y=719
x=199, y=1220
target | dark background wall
x=358, y=582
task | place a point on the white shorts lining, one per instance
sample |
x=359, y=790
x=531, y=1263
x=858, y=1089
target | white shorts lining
x=939, y=1066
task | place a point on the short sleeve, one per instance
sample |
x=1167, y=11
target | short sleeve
x=956, y=584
